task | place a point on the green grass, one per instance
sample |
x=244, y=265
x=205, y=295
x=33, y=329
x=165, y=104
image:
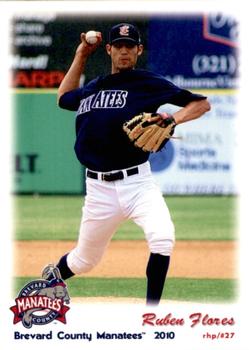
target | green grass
x=58, y=217
x=187, y=289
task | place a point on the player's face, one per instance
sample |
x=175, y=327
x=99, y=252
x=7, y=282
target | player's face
x=124, y=55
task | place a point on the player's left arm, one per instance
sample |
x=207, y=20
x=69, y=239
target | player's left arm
x=192, y=110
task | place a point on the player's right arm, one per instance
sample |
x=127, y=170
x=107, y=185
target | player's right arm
x=71, y=80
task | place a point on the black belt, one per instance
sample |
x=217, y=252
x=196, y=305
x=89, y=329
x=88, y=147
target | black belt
x=119, y=175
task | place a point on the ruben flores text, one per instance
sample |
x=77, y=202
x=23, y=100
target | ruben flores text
x=151, y=319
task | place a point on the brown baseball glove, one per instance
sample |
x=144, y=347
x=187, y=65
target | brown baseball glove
x=150, y=131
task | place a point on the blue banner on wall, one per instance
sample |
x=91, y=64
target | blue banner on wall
x=195, y=51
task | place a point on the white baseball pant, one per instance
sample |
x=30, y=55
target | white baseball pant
x=108, y=204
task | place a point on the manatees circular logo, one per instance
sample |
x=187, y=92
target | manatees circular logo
x=40, y=302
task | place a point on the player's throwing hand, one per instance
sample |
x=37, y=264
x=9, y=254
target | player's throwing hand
x=87, y=48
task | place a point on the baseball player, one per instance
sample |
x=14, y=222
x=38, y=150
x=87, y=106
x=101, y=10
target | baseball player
x=119, y=183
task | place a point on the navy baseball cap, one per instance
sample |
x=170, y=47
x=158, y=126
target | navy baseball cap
x=124, y=32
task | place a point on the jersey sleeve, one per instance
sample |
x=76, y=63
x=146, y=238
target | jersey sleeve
x=71, y=100
x=183, y=97
x=167, y=92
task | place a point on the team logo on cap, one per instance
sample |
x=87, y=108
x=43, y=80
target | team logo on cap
x=41, y=302
x=124, y=30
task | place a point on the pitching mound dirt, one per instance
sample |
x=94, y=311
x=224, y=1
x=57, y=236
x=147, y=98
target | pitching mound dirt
x=192, y=259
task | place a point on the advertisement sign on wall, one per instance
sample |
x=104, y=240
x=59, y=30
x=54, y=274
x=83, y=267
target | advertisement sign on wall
x=204, y=56
x=202, y=160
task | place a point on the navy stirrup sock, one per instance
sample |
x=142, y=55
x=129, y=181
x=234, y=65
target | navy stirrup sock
x=64, y=269
x=156, y=274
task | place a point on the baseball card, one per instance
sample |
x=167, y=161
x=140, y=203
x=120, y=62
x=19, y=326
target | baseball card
x=124, y=192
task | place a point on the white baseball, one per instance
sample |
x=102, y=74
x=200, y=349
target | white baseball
x=91, y=37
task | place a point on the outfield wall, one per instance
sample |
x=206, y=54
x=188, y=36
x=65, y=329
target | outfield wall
x=44, y=146
x=197, y=52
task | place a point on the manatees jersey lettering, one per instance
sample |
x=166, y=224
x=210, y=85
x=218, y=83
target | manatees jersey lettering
x=104, y=99
x=105, y=103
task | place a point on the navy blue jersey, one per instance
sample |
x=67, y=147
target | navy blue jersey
x=105, y=103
